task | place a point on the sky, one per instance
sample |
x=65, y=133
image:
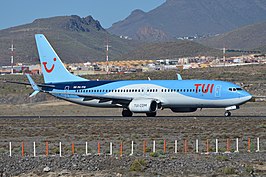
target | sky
x=18, y=12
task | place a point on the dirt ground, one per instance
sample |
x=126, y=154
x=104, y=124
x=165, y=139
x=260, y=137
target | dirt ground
x=62, y=121
x=59, y=121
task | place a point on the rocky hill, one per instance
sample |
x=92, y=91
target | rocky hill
x=164, y=50
x=75, y=39
x=248, y=37
x=178, y=18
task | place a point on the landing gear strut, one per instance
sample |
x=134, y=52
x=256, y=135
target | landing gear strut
x=227, y=114
x=151, y=114
x=126, y=113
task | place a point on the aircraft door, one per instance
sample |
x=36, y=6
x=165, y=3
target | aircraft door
x=218, y=89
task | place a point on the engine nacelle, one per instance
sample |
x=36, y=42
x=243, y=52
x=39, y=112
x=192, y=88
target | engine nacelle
x=143, y=105
x=184, y=109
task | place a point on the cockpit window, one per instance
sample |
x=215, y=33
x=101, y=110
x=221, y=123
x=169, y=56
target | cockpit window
x=233, y=89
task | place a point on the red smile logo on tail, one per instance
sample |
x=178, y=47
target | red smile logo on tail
x=45, y=67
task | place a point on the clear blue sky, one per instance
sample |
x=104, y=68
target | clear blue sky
x=17, y=12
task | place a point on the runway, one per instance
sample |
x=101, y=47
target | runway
x=131, y=118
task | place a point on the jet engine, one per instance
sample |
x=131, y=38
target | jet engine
x=143, y=105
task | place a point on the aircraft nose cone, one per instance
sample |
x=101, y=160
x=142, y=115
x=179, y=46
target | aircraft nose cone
x=247, y=96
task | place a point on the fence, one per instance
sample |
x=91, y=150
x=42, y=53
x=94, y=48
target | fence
x=138, y=148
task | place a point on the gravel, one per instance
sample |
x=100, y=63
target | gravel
x=244, y=164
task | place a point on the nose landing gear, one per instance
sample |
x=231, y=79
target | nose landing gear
x=227, y=114
x=228, y=109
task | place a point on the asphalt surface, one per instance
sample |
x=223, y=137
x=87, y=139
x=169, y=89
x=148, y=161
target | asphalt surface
x=124, y=118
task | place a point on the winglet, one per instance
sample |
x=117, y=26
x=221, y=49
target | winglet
x=33, y=85
x=179, y=77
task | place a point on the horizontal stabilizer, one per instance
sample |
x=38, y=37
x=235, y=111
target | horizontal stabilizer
x=33, y=85
x=179, y=77
x=34, y=93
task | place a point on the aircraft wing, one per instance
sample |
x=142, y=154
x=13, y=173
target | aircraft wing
x=258, y=96
x=103, y=98
x=25, y=83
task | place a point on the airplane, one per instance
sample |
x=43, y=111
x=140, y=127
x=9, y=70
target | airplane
x=133, y=96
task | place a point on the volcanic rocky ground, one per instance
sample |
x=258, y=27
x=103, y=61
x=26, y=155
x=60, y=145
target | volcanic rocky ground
x=55, y=122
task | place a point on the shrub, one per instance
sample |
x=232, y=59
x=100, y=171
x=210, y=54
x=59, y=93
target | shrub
x=229, y=171
x=154, y=154
x=222, y=158
x=249, y=169
x=138, y=165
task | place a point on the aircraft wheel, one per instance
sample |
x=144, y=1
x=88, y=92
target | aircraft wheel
x=151, y=114
x=127, y=113
x=227, y=114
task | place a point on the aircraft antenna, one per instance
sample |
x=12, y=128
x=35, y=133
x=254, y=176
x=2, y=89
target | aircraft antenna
x=12, y=57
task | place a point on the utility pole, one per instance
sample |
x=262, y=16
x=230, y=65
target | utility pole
x=12, y=57
x=224, y=57
x=107, y=55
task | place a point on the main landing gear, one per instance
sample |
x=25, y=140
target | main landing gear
x=151, y=114
x=126, y=113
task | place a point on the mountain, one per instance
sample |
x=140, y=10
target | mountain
x=248, y=37
x=164, y=50
x=262, y=49
x=75, y=39
x=179, y=18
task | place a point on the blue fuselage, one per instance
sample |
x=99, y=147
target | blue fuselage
x=171, y=93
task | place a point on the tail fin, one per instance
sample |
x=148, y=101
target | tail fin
x=52, y=67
